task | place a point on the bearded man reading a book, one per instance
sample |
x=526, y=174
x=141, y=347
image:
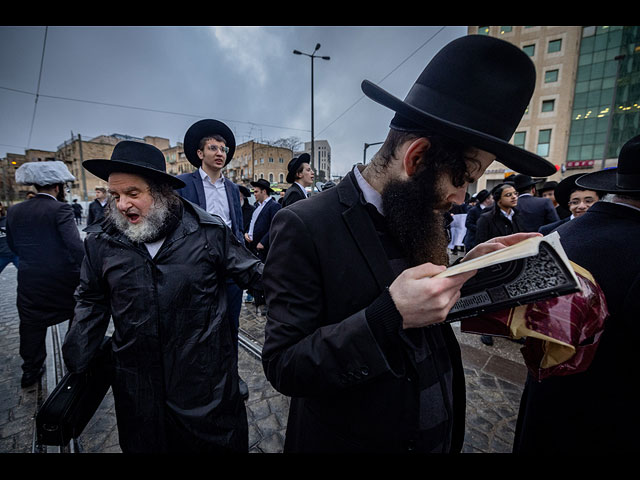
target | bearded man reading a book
x=346, y=335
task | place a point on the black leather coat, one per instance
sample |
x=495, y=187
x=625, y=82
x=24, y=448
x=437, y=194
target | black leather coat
x=175, y=357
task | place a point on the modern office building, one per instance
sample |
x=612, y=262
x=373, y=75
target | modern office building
x=586, y=102
x=321, y=159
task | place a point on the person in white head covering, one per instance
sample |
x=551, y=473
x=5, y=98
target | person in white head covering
x=43, y=234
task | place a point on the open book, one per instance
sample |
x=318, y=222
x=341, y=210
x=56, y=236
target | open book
x=534, y=269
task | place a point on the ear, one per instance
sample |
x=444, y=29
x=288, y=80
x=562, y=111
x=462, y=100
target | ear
x=200, y=154
x=413, y=155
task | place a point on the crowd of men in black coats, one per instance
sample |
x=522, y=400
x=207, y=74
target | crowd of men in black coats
x=355, y=330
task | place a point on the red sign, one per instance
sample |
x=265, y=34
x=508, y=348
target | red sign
x=581, y=164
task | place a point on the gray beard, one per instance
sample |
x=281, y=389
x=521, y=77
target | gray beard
x=148, y=230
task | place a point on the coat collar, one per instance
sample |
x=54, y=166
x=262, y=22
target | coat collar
x=362, y=230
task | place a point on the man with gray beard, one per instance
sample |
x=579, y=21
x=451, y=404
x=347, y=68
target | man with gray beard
x=158, y=265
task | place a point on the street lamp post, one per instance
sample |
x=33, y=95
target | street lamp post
x=364, y=153
x=312, y=56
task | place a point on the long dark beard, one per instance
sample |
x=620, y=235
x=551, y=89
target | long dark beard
x=414, y=212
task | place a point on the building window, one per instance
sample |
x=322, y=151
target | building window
x=519, y=138
x=504, y=30
x=529, y=49
x=270, y=159
x=281, y=160
x=548, y=105
x=483, y=30
x=544, y=141
x=271, y=177
x=554, y=46
x=551, y=76
x=281, y=177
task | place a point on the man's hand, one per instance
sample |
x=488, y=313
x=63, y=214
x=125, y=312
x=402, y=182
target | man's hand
x=498, y=243
x=259, y=246
x=422, y=300
x=247, y=237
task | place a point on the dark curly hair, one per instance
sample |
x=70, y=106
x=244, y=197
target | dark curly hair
x=445, y=155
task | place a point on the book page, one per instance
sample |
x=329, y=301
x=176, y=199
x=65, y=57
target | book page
x=523, y=249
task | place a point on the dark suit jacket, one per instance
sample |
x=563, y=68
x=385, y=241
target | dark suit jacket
x=96, y=212
x=598, y=412
x=492, y=223
x=194, y=192
x=536, y=212
x=43, y=233
x=547, y=229
x=471, y=223
x=326, y=267
x=262, y=226
x=292, y=195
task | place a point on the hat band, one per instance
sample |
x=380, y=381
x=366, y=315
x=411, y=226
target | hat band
x=628, y=180
x=453, y=110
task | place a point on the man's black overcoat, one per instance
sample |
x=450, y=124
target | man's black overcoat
x=43, y=233
x=595, y=411
x=326, y=266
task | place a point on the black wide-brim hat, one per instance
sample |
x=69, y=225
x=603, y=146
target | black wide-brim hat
x=546, y=186
x=562, y=192
x=474, y=90
x=262, y=183
x=522, y=181
x=482, y=195
x=207, y=128
x=137, y=158
x=244, y=191
x=294, y=165
x=625, y=178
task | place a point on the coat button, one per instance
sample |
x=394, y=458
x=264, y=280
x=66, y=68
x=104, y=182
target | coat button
x=364, y=371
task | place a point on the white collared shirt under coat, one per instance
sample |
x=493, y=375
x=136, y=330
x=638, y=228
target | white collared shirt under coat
x=216, y=197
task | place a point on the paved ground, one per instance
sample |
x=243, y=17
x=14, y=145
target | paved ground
x=494, y=376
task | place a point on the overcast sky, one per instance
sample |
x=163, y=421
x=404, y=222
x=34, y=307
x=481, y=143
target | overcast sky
x=159, y=80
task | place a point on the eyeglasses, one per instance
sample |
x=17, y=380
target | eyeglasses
x=587, y=201
x=510, y=194
x=215, y=148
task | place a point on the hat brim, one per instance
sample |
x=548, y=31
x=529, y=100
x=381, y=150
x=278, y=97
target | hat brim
x=102, y=168
x=206, y=128
x=295, y=166
x=605, y=181
x=264, y=187
x=516, y=158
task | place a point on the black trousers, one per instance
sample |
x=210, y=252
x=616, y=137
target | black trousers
x=33, y=350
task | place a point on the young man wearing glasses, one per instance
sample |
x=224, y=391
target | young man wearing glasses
x=209, y=146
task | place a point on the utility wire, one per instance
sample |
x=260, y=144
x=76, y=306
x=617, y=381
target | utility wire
x=383, y=79
x=35, y=105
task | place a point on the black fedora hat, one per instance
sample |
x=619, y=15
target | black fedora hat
x=137, y=158
x=262, y=183
x=562, y=192
x=244, y=190
x=522, y=182
x=482, y=195
x=294, y=165
x=625, y=178
x=474, y=90
x=546, y=186
x=206, y=128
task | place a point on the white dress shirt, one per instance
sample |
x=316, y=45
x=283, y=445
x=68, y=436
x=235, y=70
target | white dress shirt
x=254, y=217
x=216, y=197
x=370, y=194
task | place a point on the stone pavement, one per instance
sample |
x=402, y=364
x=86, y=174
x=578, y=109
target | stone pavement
x=494, y=376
